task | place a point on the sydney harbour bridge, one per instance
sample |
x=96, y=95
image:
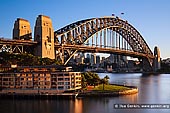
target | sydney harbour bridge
x=96, y=35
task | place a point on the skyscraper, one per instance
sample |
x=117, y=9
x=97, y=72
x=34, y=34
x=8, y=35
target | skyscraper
x=93, y=59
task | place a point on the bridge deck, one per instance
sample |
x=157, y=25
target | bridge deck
x=16, y=42
x=84, y=48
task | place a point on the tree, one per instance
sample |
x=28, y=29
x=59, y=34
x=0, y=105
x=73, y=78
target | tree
x=84, y=81
x=89, y=78
x=105, y=80
x=25, y=59
x=96, y=79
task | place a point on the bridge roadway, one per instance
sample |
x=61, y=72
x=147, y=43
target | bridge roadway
x=85, y=48
x=16, y=42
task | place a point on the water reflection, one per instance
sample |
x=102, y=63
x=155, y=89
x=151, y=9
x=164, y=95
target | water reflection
x=153, y=89
x=149, y=86
x=78, y=106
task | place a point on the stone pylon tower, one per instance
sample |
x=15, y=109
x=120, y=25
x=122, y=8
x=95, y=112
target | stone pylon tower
x=157, y=59
x=44, y=35
x=22, y=30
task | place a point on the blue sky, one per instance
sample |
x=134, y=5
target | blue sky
x=150, y=17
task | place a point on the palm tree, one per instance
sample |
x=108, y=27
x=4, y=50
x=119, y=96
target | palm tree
x=105, y=80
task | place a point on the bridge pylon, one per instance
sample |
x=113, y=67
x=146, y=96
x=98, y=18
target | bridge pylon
x=147, y=64
x=44, y=35
x=22, y=30
x=157, y=59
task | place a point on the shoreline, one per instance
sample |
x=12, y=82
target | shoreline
x=107, y=93
x=136, y=72
x=37, y=96
x=88, y=93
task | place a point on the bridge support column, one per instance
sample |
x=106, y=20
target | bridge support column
x=147, y=65
x=156, y=63
x=44, y=35
x=22, y=30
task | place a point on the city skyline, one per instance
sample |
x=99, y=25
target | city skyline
x=150, y=18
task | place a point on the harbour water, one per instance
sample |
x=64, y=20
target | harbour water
x=153, y=90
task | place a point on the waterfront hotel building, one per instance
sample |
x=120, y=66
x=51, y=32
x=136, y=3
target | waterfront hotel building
x=40, y=79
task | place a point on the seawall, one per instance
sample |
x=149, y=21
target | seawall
x=95, y=93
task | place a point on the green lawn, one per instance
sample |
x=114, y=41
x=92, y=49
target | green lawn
x=110, y=87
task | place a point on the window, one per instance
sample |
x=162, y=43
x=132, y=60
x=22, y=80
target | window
x=67, y=83
x=48, y=79
x=60, y=87
x=53, y=79
x=29, y=79
x=67, y=79
x=53, y=75
x=60, y=79
x=47, y=83
x=5, y=79
x=67, y=87
x=22, y=78
x=66, y=75
x=60, y=75
x=53, y=83
x=60, y=83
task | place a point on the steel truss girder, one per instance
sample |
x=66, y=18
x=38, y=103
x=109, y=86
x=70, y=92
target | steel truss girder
x=15, y=48
x=78, y=33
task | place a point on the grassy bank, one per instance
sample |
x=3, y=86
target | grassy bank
x=111, y=88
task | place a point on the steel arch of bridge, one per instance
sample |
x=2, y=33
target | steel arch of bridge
x=73, y=37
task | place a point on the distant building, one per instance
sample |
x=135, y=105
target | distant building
x=98, y=59
x=93, y=59
x=109, y=68
x=88, y=56
x=118, y=59
x=87, y=59
x=166, y=61
x=103, y=59
x=79, y=58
